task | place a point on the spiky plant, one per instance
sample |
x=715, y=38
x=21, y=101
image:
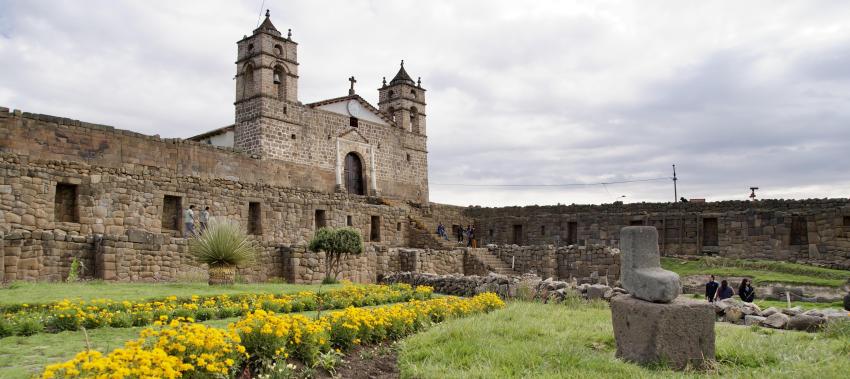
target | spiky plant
x=223, y=243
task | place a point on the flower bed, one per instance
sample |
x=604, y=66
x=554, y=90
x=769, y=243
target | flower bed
x=198, y=351
x=72, y=315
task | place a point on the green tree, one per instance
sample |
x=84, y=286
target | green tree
x=336, y=243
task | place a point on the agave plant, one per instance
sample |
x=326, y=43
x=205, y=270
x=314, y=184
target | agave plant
x=223, y=246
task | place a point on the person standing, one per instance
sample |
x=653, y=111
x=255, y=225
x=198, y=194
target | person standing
x=724, y=292
x=459, y=233
x=711, y=289
x=746, y=291
x=470, y=235
x=204, y=219
x=189, y=221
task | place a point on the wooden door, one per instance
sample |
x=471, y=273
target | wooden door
x=354, y=174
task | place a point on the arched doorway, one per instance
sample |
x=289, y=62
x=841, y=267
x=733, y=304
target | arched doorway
x=354, y=174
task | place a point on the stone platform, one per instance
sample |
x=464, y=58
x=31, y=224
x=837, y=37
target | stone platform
x=679, y=333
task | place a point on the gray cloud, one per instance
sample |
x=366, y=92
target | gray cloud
x=540, y=92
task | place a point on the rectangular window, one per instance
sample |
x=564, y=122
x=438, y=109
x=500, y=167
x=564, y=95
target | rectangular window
x=491, y=232
x=799, y=232
x=846, y=220
x=517, y=235
x=321, y=222
x=255, y=219
x=709, y=232
x=542, y=230
x=572, y=233
x=349, y=221
x=375, y=229
x=398, y=226
x=352, y=122
x=636, y=223
x=65, y=203
x=171, y=208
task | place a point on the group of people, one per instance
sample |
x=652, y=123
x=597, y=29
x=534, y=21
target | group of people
x=468, y=234
x=716, y=292
x=189, y=221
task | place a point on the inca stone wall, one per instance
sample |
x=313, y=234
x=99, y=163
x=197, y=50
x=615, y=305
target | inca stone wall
x=815, y=231
x=584, y=263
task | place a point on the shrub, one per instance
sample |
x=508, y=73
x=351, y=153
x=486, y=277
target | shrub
x=336, y=244
x=223, y=243
x=28, y=326
x=74, y=272
x=6, y=328
x=121, y=320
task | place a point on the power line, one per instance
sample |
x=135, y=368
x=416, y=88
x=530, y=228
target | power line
x=550, y=185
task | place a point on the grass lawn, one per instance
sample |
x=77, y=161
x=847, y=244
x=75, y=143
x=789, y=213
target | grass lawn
x=760, y=271
x=43, y=292
x=556, y=341
x=764, y=304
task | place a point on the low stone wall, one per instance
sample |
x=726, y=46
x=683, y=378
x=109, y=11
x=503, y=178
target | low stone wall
x=42, y=255
x=588, y=264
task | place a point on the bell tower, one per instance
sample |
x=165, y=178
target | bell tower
x=266, y=84
x=404, y=101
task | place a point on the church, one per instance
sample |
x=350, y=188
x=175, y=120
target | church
x=349, y=144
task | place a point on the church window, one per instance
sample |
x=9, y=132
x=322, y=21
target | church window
x=391, y=93
x=352, y=122
x=349, y=221
x=248, y=85
x=413, y=93
x=279, y=78
x=414, y=120
x=391, y=111
x=278, y=50
x=250, y=47
x=65, y=203
x=408, y=157
x=292, y=136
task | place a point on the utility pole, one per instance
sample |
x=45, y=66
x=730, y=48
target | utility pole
x=675, y=190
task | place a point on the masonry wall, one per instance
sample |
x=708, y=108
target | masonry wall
x=815, y=231
x=113, y=186
x=584, y=263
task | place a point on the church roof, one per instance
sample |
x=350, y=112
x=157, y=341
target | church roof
x=402, y=77
x=359, y=99
x=267, y=26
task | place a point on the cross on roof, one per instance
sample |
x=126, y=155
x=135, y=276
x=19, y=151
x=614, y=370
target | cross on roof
x=352, y=80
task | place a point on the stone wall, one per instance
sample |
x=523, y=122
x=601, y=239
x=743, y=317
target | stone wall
x=587, y=264
x=815, y=231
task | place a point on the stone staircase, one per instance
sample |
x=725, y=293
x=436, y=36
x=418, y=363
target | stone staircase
x=491, y=262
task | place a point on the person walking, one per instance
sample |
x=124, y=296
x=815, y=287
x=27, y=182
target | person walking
x=746, y=291
x=711, y=289
x=470, y=235
x=189, y=221
x=204, y=219
x=441, y=231
x=459, y=234
x=724, y=292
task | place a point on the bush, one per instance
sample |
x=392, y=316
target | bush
x=223, y=243
x=74, y=272
x=6, y=328
x=336, y=243
x=121, y=320
x=28, y=326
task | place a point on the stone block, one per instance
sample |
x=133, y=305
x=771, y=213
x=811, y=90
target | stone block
x=641, y=272
x=753, y=320
x=777, y=320
x=680, y=333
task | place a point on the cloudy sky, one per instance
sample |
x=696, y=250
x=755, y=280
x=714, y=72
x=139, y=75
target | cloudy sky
x=736, y=94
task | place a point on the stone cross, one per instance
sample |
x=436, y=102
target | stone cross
x=640, y=270
x=351, y=90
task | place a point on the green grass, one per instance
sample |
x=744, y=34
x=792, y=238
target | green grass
x=761, y=271
x=555, y=341
x=43, y=292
